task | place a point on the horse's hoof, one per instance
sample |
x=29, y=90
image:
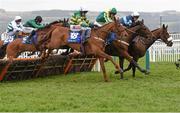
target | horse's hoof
x=147, y=72
x=116, y=72
x=144, y=71
x=123, y=78
x=106, y=60
x=106, y=80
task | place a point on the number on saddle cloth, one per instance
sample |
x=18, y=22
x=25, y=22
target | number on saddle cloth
x=75, y=34
x=6, y=38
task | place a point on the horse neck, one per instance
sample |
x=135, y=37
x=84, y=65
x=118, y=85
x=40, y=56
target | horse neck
x=45, y=30
x=132, y=31
x=151, y=40
x=104, y=31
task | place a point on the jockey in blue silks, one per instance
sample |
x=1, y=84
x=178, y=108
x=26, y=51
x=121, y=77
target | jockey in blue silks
x=129, y=21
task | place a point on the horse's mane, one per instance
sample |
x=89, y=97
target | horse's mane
x=47, y=26
x=155, y=30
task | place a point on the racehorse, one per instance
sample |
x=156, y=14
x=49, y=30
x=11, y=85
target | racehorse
x=16, y=47
x=3, y=47
x=140, y=45
x=93, y=46
x=138, y=29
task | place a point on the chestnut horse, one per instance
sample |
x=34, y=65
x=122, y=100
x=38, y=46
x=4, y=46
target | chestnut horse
x=16, y=47
x=139, y=29
x=93, y=46
x=140, y=45
x=3, y=47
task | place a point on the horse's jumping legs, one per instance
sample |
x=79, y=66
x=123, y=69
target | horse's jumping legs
x=121, y=62
x=133, y=70
x=101, y=60
x=132, y=61
x=138, y=67
x=104, y=55
x=128, y=68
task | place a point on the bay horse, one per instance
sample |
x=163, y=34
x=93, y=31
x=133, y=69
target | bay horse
x=111, y=49
x=93, y=46
x=140, y=45
x=16, y=47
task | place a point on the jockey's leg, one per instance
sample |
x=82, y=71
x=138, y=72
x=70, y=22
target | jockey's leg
x=88, y=32
x=31, y=35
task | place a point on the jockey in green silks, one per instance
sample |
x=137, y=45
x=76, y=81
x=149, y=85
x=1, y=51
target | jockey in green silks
x=32, y=25
x=79, y=18
x=106, y=17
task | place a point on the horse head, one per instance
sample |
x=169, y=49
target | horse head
x=65, y=22
x=165, y=37
x=119, y=29
x=144, y=30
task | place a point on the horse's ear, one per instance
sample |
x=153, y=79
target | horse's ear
x=164, y=26
x=67, y=20
x=143, y=21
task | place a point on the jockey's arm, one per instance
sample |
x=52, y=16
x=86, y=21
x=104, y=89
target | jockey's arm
x=127, y=22
x=16, y=29
x=107, y=18
x=73, y=21
x=33, y=23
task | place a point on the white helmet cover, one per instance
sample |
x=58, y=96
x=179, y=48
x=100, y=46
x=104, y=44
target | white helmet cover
x=135, y=14
x=17, y=18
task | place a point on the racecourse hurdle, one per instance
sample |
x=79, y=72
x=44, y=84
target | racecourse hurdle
x=25, y=66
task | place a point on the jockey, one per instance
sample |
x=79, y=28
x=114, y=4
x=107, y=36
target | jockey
x=33, y=24
x=79, y=18
x=14, y=27
x=106, y=17
x=129, y=21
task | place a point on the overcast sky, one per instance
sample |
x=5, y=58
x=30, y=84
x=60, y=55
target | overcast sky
x=93, y=5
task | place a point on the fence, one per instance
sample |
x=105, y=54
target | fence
x=159, y=52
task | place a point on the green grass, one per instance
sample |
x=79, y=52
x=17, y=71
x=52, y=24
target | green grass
x=160, y=91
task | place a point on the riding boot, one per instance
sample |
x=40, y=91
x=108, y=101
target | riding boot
x=87, y=34
x=30, y=36
x=83, y=34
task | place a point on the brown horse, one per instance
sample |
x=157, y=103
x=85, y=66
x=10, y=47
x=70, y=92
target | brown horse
x=111, y=49
x=140, y=45
x=93, y=46
x=16, y=47
x=3, y=47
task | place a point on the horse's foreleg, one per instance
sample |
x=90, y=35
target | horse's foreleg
x=104, y=55
x=128, y=68
x=121, y=62
x=132, y=61
x=134, y=70
x=138, y=67
x=101, y=60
